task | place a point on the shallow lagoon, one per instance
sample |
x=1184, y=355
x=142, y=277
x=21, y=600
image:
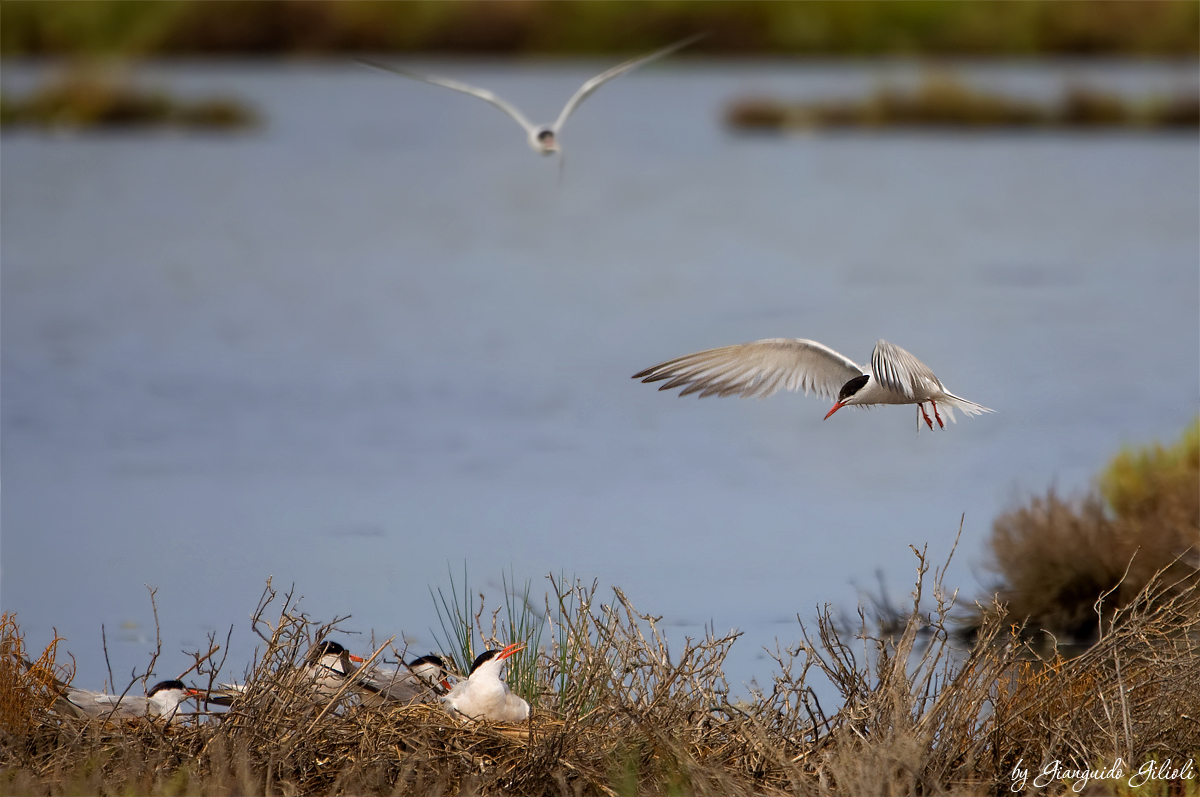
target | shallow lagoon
x=375, y=339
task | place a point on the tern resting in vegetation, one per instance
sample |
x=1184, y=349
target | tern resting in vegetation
x=485, y=695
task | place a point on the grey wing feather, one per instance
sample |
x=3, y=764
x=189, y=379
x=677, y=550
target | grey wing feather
x=93, y=704
x=897, y=370
x=225, y=694
x=465, y=88
x=599, y=80
x=396, y=685
x=757, y=369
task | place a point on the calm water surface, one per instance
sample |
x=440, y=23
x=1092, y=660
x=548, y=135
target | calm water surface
x=375, y=339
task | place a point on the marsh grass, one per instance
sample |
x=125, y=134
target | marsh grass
x=457, y=617
x=524, y=624
x=576, y=668
x=26, y=694
x=463, y=636
x=623, y=712
x=1055, y=558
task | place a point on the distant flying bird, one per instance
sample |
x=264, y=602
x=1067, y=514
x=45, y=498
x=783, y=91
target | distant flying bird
x=763, y=367
x=542, y=139
x=485, y=695
x=420, y=679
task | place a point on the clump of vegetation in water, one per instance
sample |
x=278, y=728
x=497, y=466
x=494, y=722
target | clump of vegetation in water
x=944, y=102
x=1057, y=559
x=82, y=100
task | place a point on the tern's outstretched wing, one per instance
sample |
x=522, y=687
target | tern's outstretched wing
x=465, y=88
x=599, y=80
x=757, y=369
x=899, y=371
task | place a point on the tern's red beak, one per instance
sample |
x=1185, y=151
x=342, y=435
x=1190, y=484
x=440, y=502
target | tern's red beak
x=835, y=408
x=510, y=650
x=356, y=659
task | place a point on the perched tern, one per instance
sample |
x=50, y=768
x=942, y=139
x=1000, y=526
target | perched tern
x=330, y=664
x=327, y=665
x=419, y=679
x=162, y=701
x=485, y=695
x=543, y=139
x=763, y=367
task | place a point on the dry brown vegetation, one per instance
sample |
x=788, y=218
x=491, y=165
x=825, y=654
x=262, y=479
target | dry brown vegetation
x=25, y=694
x=636, y=717
x=618, y=711
x=1055, y=557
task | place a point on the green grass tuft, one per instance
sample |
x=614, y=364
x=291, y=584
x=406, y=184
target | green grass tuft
x=458, y=623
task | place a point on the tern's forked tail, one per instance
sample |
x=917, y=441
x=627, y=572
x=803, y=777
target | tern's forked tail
x=950, y=402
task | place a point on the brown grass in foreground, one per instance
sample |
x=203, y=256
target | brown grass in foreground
x=633, y=716
x=25, y=694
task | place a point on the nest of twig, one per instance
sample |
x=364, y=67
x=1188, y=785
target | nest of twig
x=618, y=712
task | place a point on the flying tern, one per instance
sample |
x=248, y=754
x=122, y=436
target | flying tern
x=485, y=695
x=760, y=368
x=543, y=139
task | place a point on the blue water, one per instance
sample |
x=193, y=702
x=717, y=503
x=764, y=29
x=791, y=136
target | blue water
x=375, y=339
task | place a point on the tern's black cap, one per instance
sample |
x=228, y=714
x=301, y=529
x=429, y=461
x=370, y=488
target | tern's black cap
x=853, y=386
x=163, y=685
x=486, y=656
x=326, y=648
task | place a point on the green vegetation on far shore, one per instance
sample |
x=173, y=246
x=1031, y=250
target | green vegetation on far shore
x=817, y=28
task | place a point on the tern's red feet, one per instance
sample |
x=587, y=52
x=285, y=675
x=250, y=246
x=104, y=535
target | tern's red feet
x=925, y=415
